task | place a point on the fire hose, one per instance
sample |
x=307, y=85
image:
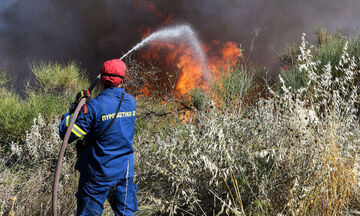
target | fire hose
x=64, y=143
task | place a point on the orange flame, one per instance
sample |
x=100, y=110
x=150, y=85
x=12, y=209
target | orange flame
x=179, y=60
x=222, y=55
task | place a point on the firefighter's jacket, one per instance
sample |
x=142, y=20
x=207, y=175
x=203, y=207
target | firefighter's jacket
x=109, y=156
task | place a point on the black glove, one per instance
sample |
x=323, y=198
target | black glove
x=83, y=94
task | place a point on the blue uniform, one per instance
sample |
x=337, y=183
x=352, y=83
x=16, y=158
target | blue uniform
x=107, y=163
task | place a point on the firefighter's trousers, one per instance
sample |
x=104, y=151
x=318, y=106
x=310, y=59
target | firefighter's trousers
x=121, y=194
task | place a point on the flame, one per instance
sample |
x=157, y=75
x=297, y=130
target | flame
x=190, y=73
x=222, y=56
x=179, y=61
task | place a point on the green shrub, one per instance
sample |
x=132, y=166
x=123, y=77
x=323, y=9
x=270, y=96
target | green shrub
x=198, y=98
x=17, y=114
x=288, y=56
x=59, y=79
x=54, y=89
x=328, y=50
x=294, y=78
x=236, y=82
x=15, y=118
x=4, y=83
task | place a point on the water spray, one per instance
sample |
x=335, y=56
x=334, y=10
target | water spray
x=183, y=32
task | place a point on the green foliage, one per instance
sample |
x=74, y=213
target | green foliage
x=288, y=56
x=236, y=82
x=56, y=78
x=328, y=50
x=55, y=88
x=4, y=80
x=15, y=118
x=324, y=38
x=198, y=98
x=294, y=78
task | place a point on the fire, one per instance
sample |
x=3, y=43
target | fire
x=222, y=55
x=190, y=73
x=179, y=61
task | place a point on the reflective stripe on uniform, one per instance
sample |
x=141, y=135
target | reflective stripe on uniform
x=78, y=131
x=68, y=119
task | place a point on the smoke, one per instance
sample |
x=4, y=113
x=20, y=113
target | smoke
x=93, y=31
x=271, y=25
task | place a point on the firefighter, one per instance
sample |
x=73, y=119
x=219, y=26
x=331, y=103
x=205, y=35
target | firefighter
x=106, y=161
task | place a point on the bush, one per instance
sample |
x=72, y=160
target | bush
x=15, y=118
x=55, y=87
x=59, y=79
x=328, y=50
x=288, y=56
x=294, y=78
x=4, y=83
x=198, y=98
x=235, y=83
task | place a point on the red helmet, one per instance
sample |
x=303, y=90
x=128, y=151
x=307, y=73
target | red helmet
x=113, y=72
